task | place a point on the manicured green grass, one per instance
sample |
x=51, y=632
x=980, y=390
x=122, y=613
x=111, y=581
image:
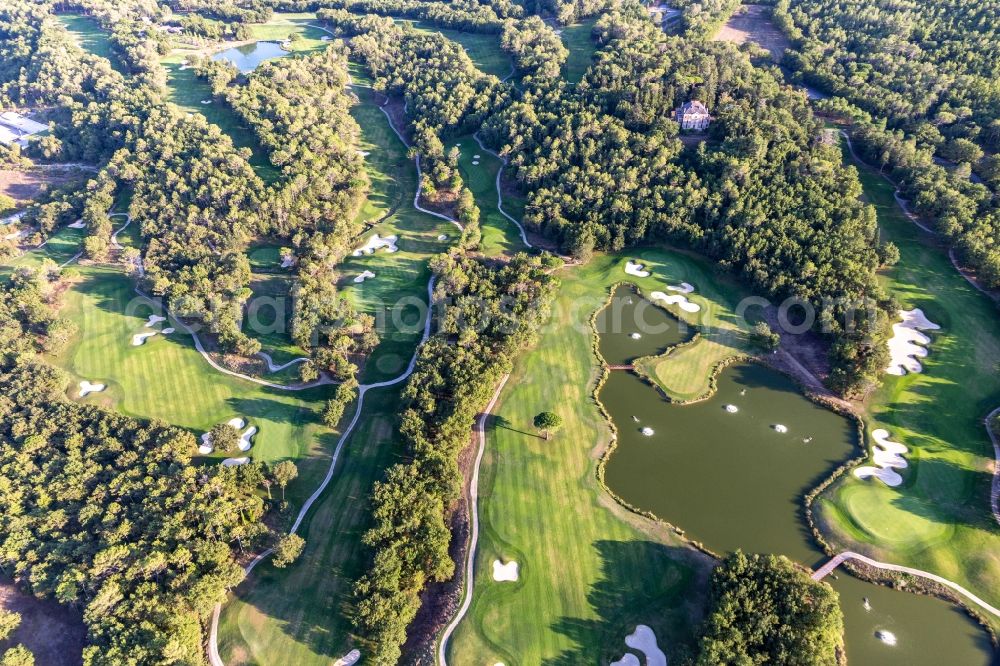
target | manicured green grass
x=590, y=570
x=188, y=90
x=939, y=519
x=484, y=50
x=269, y=317
x=266, y=258
x=397, y=295
x=500, y=236
x=60, y=248
x=300, y=615
x=87, y=33
x=166, y=378
x=685, y=373
x=581, y=47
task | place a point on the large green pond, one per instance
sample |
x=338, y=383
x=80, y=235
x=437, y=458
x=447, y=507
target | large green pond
x=732, y=480
x=248, y=57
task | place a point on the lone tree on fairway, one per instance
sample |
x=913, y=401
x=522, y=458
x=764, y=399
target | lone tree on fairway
x=548, y=423
x=224, y=437
x=288, y=550
x=284, y=473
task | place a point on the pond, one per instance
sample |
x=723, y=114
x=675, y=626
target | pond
x=248, y=57
x=732, y=471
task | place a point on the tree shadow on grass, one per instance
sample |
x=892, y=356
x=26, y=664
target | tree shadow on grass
x=642, y=582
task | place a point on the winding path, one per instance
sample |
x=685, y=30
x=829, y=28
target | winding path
x=213, y=637
x=837, y=560
x=503, y=165
x=470, y=556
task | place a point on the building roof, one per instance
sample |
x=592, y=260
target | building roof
x=693, y=107
x=19, y=124
x=8, y=136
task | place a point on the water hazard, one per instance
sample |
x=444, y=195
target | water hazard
x=732, y=471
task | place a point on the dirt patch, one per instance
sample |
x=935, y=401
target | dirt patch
x=752, y=23
x=26, y=185
x=55, y=634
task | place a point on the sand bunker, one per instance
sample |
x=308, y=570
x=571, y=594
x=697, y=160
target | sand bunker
x=235, y=462
x=86, y=388
x=206, y=446
x=245, y=443
x=287, y=260
x=206, y=440
x=504, y=572
x=326, y=38
x=475, y=157
x=154, y=320
x=140, y=338
x=642, y=639
x=648, y=432
x=167, y=331
x=636, y=269
x=888, y=457
x=475, y=162
x=908, y=343
x=886, y=637
x=675, y=299
x=79, y=224
x=443, y=237
x=364, y=276
x=363, y=153
x=636, y=336
x=206, y=101
x=780, y=428
x=683, y=287
x=732, y=409
x=376, y=242
x=353, y=656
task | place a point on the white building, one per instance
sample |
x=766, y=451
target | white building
x=15, y=128
x=693, y=116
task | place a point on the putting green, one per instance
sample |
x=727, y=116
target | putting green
x=939, y=518
x=685, y=372
x=590, y=570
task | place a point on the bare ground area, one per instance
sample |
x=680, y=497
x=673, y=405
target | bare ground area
x=54, y=633
x=753, y=23
x=25, y=185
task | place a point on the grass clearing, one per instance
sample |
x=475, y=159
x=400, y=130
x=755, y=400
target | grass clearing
x=62, y=245
x=88, y=35
x=577, y=38
x=500, y=236
x=484, y=50
x=938, y=520
x=166, y=378
x=590, y=570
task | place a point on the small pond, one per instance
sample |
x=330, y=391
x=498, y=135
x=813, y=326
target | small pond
x=732, y=471
x=248, y=57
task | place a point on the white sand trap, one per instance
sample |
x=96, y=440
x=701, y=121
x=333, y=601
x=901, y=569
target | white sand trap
x=907, y=343
x=504, y=572
x=237, y=423
x=206, y=101
x=780, y=428
x=351, y=657
x=245, y=443
x=184, y=67
x=443, y=237
x=648, y=432
x=140, y=338
x=683, y=287
x=79, y=224
x=206, y=444
x=675, y=299
x=86, y=388
x=326, y=38
x=643, y=639
x=167, y=331
x=154, y=320
x=287, y=261
x=475, y=162
x=636, y=269
x=364, y=276
x=732, y=409
x=376, y=242
x=363, y=153
x=628, y=660
x=475, y=157
x=235, y=462
x=636, y=336
x=888, y=457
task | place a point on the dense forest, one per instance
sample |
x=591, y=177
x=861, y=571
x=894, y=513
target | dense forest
x=764, y=609
x=490, y=313
x=920, y=82
x=105, y=513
